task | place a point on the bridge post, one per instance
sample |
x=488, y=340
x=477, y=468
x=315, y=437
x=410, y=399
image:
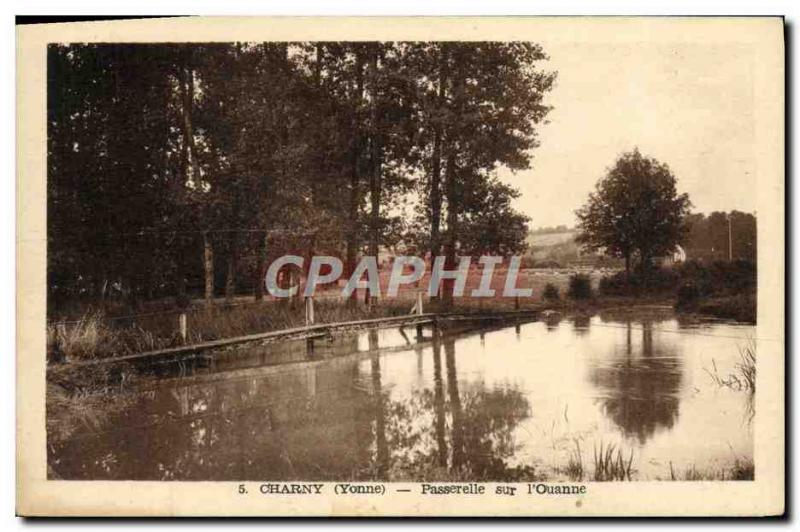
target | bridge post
x=419, y=311
x=182, y=326
x=309, y=311
x=309, y=321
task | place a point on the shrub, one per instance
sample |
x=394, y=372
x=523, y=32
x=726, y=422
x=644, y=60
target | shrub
x=740, y=308
x=655, y=281
x=722, y=289
x=580, y=287
x=616, y=285
x=720, y=277
x=688, y=294
x=550, y=292
x=661, y=280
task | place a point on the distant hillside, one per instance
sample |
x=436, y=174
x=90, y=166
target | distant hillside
x=551, y=249
x=536, y=240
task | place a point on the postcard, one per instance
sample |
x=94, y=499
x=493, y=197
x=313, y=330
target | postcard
x=401, y=266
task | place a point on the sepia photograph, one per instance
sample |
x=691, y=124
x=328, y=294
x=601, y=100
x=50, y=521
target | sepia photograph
x=308, y=265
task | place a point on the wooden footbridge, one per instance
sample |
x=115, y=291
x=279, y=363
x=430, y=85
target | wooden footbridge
x=312, y=331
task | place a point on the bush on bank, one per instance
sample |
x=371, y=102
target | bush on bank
x=721, y=288
x=656, y=281
x=550, y=292
x=580, y=287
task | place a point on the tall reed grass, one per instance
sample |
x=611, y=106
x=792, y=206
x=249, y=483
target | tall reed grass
x=96, y=336
x=610, y=465
x=574, y=469
x=744, y=376
x=740, y=469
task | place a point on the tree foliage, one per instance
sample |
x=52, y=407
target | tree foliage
x=177, y=168
x=635, y=211
x=710, y=238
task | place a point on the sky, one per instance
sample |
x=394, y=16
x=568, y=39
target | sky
x=689, y=105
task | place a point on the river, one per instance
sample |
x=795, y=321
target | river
x=514, y=403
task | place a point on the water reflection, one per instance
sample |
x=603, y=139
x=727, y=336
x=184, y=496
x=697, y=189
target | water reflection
x=381, y=445
x=473, y=429
x=459, y=405
x=326, y=422
x=581, y=324
x=552, y=320
x=639, y=386
x=438, y=395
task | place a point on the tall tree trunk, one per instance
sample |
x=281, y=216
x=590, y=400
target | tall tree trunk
x=233, y=259
x=181, y=288
x=355, y=179
x=351, y=243
x=304, y=271
x=452, y=229
x=627, y=265
x=451, y=188
x=261, y=270
x=644, y=266
x=208, y=266
x=186, y=81
x=436, y=193
x=436, y=166
x=376, y=159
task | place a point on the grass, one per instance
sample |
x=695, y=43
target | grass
x=744, y=377
x=574, y=469
x=741, y=469
x=80, y=399
x=95, y=336
x=610, y=465
x=747, y=366
x=78, y=340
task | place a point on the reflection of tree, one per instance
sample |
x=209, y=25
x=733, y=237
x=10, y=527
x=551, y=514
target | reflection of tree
x=279, y=426
x=381, y=448
x=438, y=387
x=481, y=426
x=552, y=320
x=640, y=390
x=332, y=422
x=456, y=412
x=581, y=323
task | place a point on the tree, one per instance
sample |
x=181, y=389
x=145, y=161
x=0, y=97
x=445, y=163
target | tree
x=490, y=225
x=635, y=211
x=174, y=169
x=111, y=171
x=721, y=235
x=481, y=103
